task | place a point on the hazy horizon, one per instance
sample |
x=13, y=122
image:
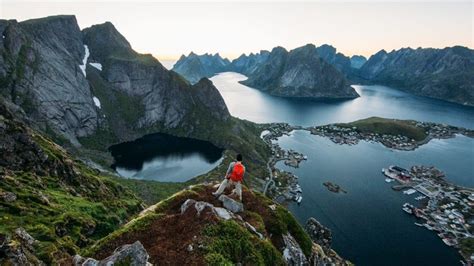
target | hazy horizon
x=168, y=30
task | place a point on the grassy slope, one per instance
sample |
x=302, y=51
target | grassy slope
x=389, y=127
x=65, y=216
x=225, y=242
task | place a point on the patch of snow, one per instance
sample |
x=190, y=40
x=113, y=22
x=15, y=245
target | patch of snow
x=84, y=61
x=96, y=101
x=97, y=65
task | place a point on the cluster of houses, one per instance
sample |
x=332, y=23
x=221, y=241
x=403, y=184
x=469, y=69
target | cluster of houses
x=449, y=209
x=350, y=136
x=442, y=131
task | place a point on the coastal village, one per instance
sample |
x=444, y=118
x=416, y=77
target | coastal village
x=351, y=135
x=444, y=208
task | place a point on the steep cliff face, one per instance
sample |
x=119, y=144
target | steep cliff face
x=194, y=67
x=41, y=71
x=300, y=73
x=79, y=84
x=167, y=99
x=446, y=74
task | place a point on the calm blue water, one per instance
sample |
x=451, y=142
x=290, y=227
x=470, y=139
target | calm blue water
x=368, y=225
x=254, y=105
x=163, y=157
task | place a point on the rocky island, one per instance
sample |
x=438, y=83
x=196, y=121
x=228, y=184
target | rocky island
x=334, y=187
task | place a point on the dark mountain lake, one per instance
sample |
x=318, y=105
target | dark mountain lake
x=163, y=157
x=368, y=224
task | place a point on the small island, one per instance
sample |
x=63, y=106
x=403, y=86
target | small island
x=334, y=187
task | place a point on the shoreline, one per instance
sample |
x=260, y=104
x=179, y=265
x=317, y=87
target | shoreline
x=290, y=190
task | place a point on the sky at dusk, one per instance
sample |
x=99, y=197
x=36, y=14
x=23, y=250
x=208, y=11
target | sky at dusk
x=168, y=30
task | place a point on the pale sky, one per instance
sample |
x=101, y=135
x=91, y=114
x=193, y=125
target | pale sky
x=169, y=29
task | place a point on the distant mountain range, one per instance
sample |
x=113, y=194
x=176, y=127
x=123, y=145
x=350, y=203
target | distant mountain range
x=446, y=74
x=304, y=72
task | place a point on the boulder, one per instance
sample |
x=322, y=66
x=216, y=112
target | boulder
x=231, y=205
x=18, y=249
x=8, y=196
x=222, y=213
x=131, y=254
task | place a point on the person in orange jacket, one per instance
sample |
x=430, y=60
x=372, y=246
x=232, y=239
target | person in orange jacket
x=234, y=176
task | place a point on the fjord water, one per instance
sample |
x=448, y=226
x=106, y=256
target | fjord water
x=163, y=157
x=254, y=105
x=368, y=225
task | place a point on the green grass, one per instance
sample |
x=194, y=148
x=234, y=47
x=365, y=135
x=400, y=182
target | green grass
x=65, y=212
x=230, y=242
x=386, y=126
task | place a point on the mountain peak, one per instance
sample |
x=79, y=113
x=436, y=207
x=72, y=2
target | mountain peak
x=104, y=39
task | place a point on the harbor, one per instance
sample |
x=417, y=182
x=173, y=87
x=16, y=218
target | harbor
x=444, y=208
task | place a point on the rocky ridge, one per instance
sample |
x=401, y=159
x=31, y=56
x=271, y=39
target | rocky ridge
x=211, y=231
x=446, y=74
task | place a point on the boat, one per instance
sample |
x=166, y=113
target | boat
x=449, y=241
x=407, y=210
x=418, y=224
x=409, y=191
x=388, y=180
x=300, y=198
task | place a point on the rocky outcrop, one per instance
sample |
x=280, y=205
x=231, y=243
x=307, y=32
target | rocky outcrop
x=130, y=254
x=321, y=253
x=195, y=67
x=18, y=249
x=318, y=233
x=231, y=204
x=292, y=253
x=300, y=73
x=446, y=74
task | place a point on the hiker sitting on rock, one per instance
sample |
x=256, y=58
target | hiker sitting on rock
x=234, y=176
